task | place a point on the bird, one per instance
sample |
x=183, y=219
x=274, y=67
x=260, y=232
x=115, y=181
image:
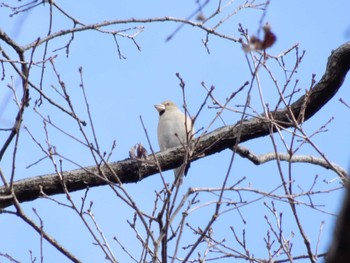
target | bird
x=174, y=129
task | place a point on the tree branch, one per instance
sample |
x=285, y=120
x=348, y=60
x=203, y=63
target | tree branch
x=339, y=248
x=134, y=170
x=267, y=157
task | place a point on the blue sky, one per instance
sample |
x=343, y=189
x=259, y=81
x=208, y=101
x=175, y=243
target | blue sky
x=121, y=90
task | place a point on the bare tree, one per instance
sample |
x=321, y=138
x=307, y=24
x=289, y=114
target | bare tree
x=182, y=224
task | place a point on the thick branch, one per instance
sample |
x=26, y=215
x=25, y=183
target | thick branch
x=339, y=249
x=134, y=170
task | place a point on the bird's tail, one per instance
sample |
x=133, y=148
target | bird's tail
x=180, y=172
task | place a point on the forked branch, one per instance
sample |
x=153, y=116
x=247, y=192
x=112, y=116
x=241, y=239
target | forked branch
x=134, y=170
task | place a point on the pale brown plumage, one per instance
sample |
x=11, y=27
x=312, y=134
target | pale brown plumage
x=172, y=129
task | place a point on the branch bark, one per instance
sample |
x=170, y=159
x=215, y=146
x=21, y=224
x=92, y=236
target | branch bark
x=134, y=170
x=267, y=157
x=339, y=248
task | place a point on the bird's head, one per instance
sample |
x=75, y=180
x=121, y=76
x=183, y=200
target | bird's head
x=165, y=106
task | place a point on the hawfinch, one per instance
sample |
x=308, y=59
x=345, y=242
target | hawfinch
x=172, y=129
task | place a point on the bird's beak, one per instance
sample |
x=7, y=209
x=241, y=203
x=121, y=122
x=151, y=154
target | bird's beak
x=160, y=107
